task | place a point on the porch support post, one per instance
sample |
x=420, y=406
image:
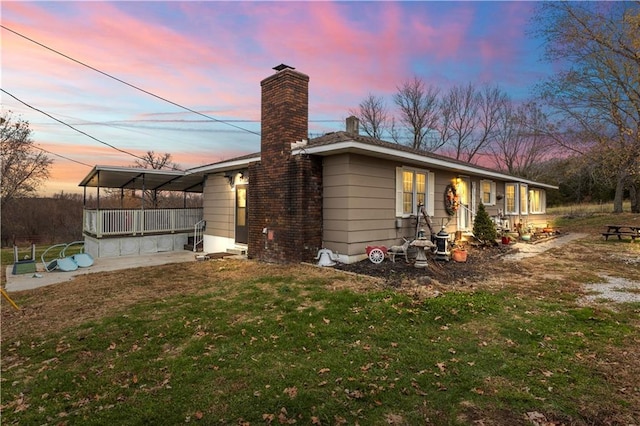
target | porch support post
x=98, y=192
x=142, y=221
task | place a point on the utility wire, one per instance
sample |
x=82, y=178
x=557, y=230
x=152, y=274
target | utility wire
x=128, y=84
x=73, y=128
x=62, y=156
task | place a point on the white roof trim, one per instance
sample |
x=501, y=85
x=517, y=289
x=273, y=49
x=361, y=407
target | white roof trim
x=224, y=166
x=386, y=152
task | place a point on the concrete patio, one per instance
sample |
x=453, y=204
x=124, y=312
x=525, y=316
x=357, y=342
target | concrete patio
x=42, y=278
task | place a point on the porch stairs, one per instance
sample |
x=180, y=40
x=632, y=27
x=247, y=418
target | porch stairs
x=191, y=247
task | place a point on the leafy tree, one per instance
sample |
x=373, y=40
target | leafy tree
x=483, y=227
x=596, y=99
x=24, y=167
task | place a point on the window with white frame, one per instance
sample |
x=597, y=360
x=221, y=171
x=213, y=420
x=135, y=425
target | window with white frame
x=488, y=192
x=524, y=199
x=510, y=199
x=413, y=186
x=537, y=201
x=516, y=198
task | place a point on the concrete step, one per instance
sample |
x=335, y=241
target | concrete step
x=237, y=250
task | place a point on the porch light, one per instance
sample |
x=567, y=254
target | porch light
x=232, y=175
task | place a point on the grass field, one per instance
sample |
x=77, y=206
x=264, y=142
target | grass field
x=238, y=342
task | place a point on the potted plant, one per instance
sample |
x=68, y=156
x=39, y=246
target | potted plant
x=459, y=254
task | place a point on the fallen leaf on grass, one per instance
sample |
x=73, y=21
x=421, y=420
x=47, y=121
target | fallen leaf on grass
x=292, y=392
x=268, y=418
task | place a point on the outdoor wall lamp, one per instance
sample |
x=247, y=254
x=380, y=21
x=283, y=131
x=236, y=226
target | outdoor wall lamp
x=232, y=175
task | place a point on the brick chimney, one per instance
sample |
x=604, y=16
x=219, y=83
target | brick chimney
x=285, y=191
x=353, y=125
x=285, y=111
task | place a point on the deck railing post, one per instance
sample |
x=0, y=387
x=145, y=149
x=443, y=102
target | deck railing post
x=99, y=222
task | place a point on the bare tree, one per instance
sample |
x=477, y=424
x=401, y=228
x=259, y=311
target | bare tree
x=373, y=115
x=151, y=160
x=599, y=94
x=24, y=167
x=521, y=144
x=418, y=114
x=470, y=119
x=156, y=162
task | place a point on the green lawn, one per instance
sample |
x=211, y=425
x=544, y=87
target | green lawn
x=284, y=346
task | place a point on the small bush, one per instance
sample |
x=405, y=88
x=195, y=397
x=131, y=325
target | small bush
x=483, y=227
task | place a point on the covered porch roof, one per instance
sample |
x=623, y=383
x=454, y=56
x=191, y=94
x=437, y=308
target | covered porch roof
x=147, y=179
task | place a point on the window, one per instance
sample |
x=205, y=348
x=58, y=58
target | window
x=413, y=186
x=524, y=197
x=537, y=200
x=488, y=192
x=517, y=199
x=510, y=200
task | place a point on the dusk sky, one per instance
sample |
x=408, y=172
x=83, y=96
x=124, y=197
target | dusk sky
x=211, y=56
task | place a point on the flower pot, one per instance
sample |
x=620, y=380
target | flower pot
x=506, y=240
x=459, y=255
x=526, y=237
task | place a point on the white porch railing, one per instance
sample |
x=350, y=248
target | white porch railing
x=112, y=222
x=198, y=234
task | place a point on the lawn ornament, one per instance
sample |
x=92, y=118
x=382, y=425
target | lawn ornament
x=376, y=253
x=327, y=258
x=442, y=245
x=399, y=251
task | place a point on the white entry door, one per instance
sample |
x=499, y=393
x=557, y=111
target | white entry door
x=466, y=199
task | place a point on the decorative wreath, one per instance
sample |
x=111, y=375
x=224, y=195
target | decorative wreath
x=451, y=201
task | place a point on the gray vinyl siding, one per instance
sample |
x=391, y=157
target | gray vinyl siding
x=218, y=207
x=359, y=203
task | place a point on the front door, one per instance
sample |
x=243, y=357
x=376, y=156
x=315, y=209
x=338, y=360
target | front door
x=242, y=230
x=465, y=209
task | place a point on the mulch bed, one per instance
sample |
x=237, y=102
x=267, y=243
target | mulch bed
x=481, y=261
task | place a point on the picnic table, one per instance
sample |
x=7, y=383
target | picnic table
x=620, y=231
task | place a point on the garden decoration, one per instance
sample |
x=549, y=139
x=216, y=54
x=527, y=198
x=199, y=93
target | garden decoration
x=421, y=244
x=451, y=200
x=376, y=253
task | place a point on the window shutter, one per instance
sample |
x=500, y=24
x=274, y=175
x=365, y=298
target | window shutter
x=431, y=191
x=399, y=212
x=493, y=193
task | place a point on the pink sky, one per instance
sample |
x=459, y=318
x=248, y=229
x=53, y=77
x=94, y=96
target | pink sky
x=211, y=57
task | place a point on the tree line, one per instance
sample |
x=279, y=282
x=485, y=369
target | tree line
x=579, y=130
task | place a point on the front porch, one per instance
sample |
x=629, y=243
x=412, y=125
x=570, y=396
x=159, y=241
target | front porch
x=127, y=232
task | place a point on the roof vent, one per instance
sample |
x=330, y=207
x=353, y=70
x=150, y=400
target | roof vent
x=283, y=67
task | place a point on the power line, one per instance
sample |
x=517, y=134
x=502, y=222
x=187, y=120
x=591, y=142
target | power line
x=73, y=128
x=62, y=156
x=128, y=84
